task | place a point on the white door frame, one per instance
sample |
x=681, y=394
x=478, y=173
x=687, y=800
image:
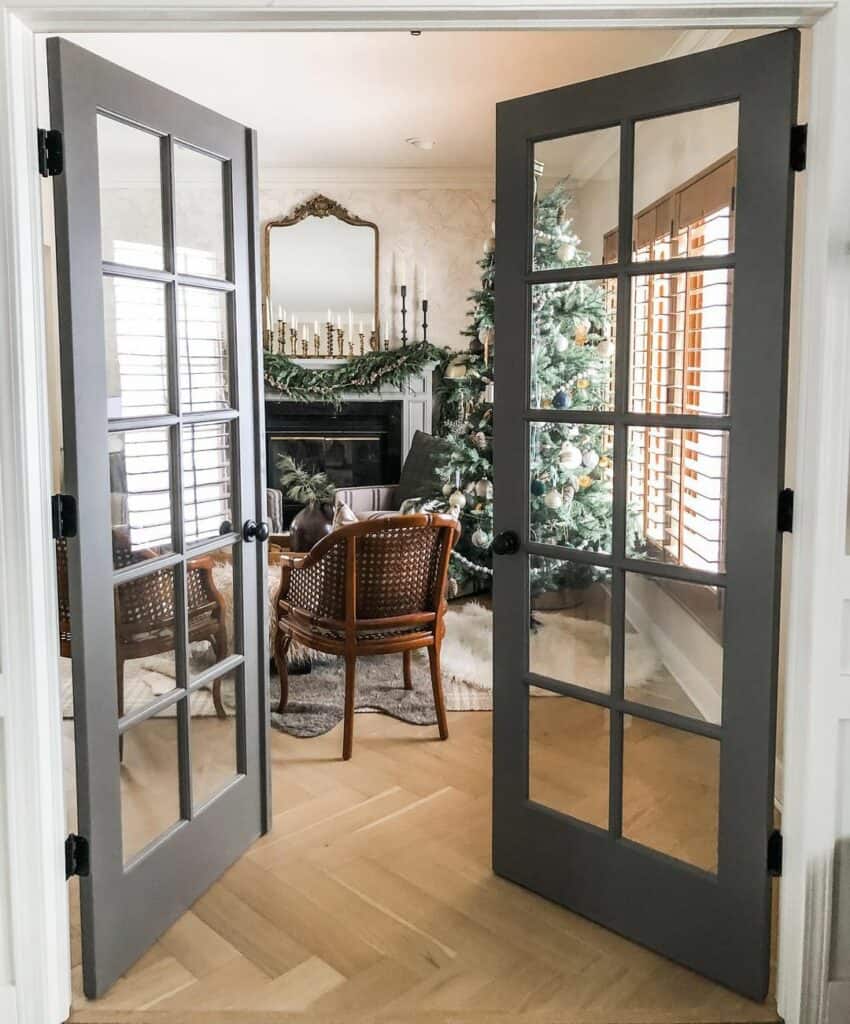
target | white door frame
x=34, y=983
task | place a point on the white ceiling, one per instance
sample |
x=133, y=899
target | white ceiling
x=349, y=100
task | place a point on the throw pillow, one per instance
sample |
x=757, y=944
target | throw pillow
x=419, y=474
x=343, y=516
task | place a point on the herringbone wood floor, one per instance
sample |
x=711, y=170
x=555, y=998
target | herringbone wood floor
x=372, y=900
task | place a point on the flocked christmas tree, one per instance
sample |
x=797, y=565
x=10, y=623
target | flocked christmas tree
x=570, y=464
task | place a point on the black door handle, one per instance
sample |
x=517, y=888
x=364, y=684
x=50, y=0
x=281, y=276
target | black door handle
x=255, y=531
x=506, y=543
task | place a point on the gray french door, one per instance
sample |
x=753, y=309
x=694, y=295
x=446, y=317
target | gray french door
x=636, y=607
x=156, y=259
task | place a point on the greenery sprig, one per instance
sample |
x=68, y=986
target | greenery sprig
x=360, y=375
x=301, y=485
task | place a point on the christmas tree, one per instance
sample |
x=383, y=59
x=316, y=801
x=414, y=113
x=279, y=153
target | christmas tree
x=570, y=464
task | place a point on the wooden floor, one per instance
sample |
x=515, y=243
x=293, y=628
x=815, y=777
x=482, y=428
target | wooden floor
x=373, y=900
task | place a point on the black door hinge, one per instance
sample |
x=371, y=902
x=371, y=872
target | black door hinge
x=77, y=856
x=774, y=853
x=785, y=511
x=799, y=139
x=51, y=153
x=63, y=512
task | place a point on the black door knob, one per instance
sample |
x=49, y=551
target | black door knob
x=506, y=543
x=255, y=531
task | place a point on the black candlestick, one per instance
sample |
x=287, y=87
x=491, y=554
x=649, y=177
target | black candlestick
x=424, y=321
x=404, y=316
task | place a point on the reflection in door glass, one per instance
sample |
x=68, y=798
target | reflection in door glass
x=199, y=213
x=213, y=736
x=685, y=173
x=670, y=791
x=204, y=343
x=150, y=782
x=207, y=480
x=146, y=637
x=572, y=345
x=674, y=646
x=136, y=348
x=576, y=199
x=140, y=494
x=681, y=343
x=571, y=484
x=130, y=194
x=213, y=584
x=568, y=755
x=677, y=496
x=570, y=630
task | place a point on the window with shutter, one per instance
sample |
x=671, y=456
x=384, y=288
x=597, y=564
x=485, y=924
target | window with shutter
x=679, y=364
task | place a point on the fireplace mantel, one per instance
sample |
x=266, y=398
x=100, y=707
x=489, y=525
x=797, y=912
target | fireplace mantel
x=416, y=396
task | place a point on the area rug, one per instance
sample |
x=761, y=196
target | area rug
x=467, y=668
x=315, y=704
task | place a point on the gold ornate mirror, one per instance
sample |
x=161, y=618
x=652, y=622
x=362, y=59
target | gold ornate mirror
x=321, y=258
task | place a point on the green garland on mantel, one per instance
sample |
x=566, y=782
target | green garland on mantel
x=359, y=375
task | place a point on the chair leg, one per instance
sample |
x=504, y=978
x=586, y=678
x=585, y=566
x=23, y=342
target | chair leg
x=281, y=646
x=348, y=727
x=437, y=683
x=120, y=681
x=219, y=642
x=217, y=701
x=408, y=679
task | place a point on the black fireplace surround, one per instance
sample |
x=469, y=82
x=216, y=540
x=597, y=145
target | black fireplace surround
x=359, y=443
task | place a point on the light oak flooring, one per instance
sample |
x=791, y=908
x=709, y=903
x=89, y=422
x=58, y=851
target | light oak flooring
x=373, y=900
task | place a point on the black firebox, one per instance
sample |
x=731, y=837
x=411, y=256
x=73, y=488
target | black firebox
x=359, y=443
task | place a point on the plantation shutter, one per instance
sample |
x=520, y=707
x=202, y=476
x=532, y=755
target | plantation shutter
x=681, y=326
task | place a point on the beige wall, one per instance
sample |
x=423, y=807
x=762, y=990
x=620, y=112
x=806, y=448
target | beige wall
x=440, y=229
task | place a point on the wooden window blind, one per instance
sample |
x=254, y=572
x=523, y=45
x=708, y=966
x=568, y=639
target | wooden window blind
x=679, y=364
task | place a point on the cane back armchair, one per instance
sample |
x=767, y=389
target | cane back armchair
x=375, y=587
x=145, y=611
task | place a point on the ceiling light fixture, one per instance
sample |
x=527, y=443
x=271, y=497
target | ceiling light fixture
x=420, y=143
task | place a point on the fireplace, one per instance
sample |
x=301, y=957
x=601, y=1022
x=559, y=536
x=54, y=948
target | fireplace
x=359, y=443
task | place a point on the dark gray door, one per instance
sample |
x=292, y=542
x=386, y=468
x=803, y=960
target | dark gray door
x=643, y=230
x=155, y=244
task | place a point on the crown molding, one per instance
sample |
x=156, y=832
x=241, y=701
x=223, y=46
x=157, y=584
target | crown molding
x=317, y=178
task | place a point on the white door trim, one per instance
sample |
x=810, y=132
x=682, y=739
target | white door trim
x=32, y=716
x=815, y=692
x=27, y=598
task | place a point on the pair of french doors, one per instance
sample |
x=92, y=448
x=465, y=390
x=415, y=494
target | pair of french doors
x=648, y=816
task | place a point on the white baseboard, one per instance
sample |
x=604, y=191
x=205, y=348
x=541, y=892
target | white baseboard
x=695, y=684
x=8, y=1004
